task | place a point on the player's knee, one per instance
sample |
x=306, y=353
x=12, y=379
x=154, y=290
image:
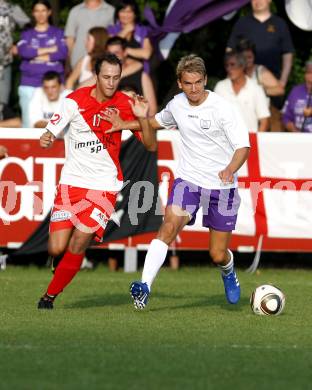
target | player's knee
x=167, y=232
x=78, y=245
x=217, y=255
x=55, y=249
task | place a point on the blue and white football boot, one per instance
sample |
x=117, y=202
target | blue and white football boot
x=139, y=292
x=231, y=285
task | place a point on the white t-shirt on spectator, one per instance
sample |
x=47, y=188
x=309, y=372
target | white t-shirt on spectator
x=251, y=101
x=210, y=134
x=40, y=108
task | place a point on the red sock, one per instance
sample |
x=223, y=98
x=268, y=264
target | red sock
x=65, y=271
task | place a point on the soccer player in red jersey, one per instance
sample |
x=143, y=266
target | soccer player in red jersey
x=91, y=176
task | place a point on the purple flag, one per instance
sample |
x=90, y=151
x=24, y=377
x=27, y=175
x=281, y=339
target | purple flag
x=188, y=15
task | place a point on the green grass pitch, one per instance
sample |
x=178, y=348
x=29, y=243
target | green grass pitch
x=187, y=338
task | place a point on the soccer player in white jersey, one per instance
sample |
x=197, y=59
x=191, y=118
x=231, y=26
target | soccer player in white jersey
x=91, y=176
x=215, y=144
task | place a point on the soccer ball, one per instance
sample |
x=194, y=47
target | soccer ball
x=267, y=300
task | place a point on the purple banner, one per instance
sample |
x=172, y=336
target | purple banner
x=188, y=15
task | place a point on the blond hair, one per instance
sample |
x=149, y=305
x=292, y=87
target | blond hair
x=192, y=64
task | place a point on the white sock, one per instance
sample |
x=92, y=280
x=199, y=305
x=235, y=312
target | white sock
x=154, y=259
x=229, y=267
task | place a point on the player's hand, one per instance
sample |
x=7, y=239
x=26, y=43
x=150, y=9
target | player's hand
x=139, y=107
x=3, y=152
x=226, y=176
x=112, y=116
x=47, y=139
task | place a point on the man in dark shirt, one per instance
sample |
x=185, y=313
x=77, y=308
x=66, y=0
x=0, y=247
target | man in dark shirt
x=274, y=46
x=271, y=36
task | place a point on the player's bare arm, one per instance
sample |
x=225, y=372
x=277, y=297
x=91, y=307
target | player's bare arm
x=47, y=139
x=238, y=159
x=140, y=109
x=118, y=124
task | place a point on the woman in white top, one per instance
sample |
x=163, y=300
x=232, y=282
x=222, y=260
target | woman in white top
x=259, y=73
x=95, y=45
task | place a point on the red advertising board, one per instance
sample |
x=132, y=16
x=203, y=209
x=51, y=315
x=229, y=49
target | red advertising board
x=275, y=187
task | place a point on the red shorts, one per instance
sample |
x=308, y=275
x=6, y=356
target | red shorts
x=86, y=210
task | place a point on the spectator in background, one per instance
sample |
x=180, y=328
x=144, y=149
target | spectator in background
x=262, y=75
x=297, y=110
x=81, y=18
x=138, y=80
x=273, y=43
x=95, y=45
x=138, y=44
x=89, y=76
x=10, y=15
x=245, y=93
x=46, y=100
x=42, y=48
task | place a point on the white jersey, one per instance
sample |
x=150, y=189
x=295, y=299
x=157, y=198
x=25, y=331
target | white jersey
x=92, y=155
x=211, y=132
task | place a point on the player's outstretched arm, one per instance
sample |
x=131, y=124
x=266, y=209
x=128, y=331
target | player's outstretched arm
x=47, y=139
x=140, y=109
x=238, y=159
x=112, y=116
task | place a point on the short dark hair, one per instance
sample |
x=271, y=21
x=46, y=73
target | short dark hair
x=107, y=57
x=124, y=4
x=117, y=41
x=52, y=75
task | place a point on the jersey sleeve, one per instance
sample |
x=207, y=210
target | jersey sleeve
x=165, y=117
x=234, y=127
x=62, y=116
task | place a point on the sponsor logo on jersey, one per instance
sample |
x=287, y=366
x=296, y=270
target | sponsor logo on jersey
x=99, y=217
x=205, y=124
x=61, y=215
x=79, y=145
x=193, y=116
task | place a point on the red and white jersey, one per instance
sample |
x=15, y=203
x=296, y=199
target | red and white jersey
x=92, y=156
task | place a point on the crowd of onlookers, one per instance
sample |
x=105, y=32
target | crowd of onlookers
x=53, y=61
